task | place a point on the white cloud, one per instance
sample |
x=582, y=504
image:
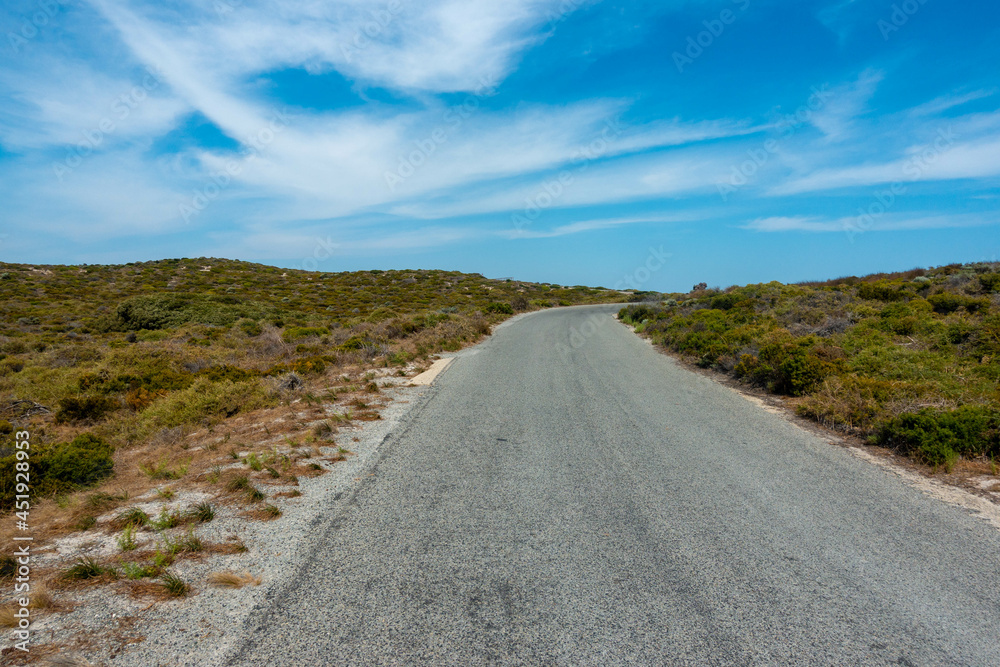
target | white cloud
x=845, y=105
x=586, y=226
x=926, y=162
x=889, y=222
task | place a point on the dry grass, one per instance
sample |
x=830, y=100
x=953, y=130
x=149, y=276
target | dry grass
x=68, y=660
x=230, y=579
x=265, y=513
x=7, y=616
x=39, y=599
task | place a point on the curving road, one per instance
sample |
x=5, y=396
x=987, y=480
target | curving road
x=566, y=495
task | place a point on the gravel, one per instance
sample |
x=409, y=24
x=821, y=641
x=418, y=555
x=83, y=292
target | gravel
x=202, y=628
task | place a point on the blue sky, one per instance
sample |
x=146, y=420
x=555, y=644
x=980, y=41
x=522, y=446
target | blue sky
x=630, y=144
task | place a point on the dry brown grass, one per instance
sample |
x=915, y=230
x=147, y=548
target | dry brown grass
x=39, y=599
x=68, y=660
x=230, y=579
x=266, y=513
x=7, y=616
x=146, y=588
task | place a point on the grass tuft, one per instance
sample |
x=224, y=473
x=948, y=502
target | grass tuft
x=202, y=512
x=173, y=585
x=238, y=483
x=86, y=568
x=166, y=520
x=133, y=516
x=230, y=579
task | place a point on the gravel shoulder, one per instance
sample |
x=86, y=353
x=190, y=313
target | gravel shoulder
x=110, y=628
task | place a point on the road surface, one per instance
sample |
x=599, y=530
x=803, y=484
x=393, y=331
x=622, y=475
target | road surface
x=566, y=495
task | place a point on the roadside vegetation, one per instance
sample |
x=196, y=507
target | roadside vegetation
x=910, y=361
x=97, y=360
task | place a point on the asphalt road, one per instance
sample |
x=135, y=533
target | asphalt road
x=567, y=495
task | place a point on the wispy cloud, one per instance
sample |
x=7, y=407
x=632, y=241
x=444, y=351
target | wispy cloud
x=890, y=223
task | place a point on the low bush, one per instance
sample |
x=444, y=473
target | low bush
x=84, y=409
x=204, y=401
x=161, y=311
x=292, y=334
x=938, y=437
x=881, y=291
x=945, y=303
x=499, y=307
x=990, y=282
x=250, y=327
x=58, y=468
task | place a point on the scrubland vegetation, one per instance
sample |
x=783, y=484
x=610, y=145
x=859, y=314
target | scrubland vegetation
x=97, y=360
x=910, y=361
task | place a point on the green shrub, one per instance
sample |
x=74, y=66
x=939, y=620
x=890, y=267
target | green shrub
x=881, y=291
x=990, y=282
x=499, y=307
x=59, y=468
x=947, y=302
x=725, y=301
x=162, y=311
x=639, y=313
x=80, y=463
x=251, y=328
x=292, y=334
x=308, y=365
x=353, y=343
x=937, y=437
x=88, y=409
x=227, y=373
x=851, y=402
x=987, y=336
x=204, y=400
x=792, y=367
